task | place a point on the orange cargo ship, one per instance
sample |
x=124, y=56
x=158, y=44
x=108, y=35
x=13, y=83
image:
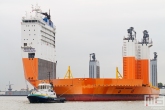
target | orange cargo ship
x=103, y=89
x=38, y=54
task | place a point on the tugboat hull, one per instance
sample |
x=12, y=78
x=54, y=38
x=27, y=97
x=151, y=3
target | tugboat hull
x=40, y=99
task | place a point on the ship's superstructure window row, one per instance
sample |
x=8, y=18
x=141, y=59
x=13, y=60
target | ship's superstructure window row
x=46, y=43
x=47, y=40
x=47, y=33
x=52, y=33
x=33, y=21
x=26, y=21
x=47, y=37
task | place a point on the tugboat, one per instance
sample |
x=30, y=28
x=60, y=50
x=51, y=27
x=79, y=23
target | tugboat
x=44, y=94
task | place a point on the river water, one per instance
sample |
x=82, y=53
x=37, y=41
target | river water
x=22, y=103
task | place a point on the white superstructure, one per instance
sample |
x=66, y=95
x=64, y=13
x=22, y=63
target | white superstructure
x=44, y=89
x=38, y=33
x=38, y=44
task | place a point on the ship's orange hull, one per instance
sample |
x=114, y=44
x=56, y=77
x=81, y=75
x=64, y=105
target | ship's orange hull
x=91, y=89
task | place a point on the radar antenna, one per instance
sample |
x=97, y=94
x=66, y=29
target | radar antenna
x=47, y=15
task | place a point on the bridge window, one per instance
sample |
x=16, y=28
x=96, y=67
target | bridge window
x=31, y=55
x=26, y=21
x=34, y=20
x=25, y=44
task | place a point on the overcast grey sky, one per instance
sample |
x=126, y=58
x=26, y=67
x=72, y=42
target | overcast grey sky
x=82, y=27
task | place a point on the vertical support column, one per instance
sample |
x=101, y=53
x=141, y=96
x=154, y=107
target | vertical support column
x=153, y=70
x=94, y=67
x=143, y=62
x=143, y=58
x=129, y=59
